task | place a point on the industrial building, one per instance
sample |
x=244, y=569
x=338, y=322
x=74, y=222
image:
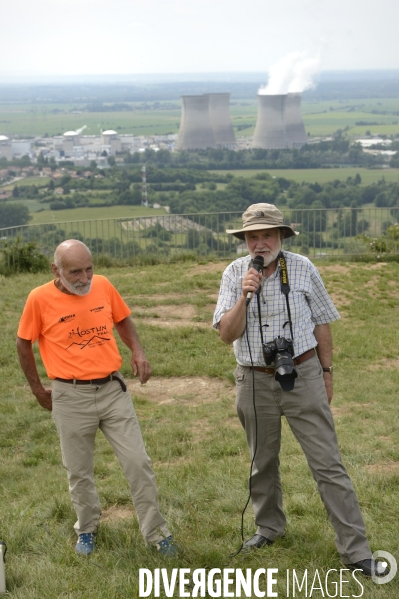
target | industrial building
x=279, y=122
x=295, y=128
x=205, y=122
x=270, y=132
x=5, y=148
x=219, y=109
x=14, y=148
x=195, y=131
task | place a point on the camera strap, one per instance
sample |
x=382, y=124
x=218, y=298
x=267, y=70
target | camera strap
x=285, y=288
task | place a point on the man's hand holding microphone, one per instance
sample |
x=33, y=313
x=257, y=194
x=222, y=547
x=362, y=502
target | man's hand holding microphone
x=251, y=283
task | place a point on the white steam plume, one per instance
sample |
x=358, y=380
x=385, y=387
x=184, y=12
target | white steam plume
x=292, y=74
x=81, y=129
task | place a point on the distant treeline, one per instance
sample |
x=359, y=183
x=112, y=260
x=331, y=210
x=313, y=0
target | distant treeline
x=336, y=152
x=190, y=191
x=329, y=86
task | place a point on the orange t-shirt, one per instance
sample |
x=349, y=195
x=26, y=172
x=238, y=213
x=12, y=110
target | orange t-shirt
x=75, y=334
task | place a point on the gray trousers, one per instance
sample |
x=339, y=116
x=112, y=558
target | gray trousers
x=78, y=412
x=308, y=414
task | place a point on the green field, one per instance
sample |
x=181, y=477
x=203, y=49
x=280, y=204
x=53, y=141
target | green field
x=325, y=118
x=39, y=181
x=323, y=175
x=80, y=214
x=320, y=118
x=197, y=446
x=41, y=120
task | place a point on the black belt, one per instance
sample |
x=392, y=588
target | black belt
x=298, y=360
x=106, y=379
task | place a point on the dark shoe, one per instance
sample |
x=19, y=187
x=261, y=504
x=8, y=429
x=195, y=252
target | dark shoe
x=86, y=543
x=166, y=547
x=256, y=542
x=369, y=567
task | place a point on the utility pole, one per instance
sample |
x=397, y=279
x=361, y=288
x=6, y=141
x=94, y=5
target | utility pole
x=144, y=196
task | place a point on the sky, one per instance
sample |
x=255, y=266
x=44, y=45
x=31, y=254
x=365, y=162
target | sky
x=122, y=37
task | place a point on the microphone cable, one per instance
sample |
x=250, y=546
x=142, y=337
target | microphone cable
x=256, y=435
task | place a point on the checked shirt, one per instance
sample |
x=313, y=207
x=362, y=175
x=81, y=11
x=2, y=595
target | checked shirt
x=309, y=301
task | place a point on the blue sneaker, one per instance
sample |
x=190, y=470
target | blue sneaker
x=166, y=547
x=86, y=543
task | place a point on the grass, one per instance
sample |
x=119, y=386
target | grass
x=197, y=446
x=86, y=213
x=326, y=117
x=323, y=175
x=40, y=120
x=320, y=118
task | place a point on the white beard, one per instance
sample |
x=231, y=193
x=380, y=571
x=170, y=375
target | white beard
x=77, y=288
x=271, y=256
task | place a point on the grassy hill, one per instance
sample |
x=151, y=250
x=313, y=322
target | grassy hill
x=197, y=446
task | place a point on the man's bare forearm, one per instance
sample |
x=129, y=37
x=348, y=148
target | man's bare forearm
x=129, y=336
x=28, y=365
x=232, y=323
x=324, y=349
x=322, y=332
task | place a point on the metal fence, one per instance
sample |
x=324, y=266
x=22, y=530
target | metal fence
x=323, y=233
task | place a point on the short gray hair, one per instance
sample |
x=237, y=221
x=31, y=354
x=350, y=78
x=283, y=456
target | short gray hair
x=68, y=242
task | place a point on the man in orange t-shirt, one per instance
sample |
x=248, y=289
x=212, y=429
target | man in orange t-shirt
x=72, y=317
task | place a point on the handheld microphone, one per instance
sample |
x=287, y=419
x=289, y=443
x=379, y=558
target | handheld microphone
x=257, y=264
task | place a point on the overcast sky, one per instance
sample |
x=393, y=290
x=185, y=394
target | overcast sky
x=75, y=37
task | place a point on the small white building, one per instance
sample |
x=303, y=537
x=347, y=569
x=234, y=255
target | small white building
x=5, y=148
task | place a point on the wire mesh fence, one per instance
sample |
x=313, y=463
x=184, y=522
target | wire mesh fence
x=322, y=233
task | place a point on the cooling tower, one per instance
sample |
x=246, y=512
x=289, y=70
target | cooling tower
x=195, y=131
x=270, y=131
x=219, y=108
x=295, y=129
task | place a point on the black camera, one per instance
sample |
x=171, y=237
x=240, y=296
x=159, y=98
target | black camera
x=280, y=351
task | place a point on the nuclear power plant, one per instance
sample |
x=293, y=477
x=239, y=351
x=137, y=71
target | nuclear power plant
x=219, y=108
x=279, y=123
x=270, y=132
x=295, y=128
x=205, y=122
x=195, y=131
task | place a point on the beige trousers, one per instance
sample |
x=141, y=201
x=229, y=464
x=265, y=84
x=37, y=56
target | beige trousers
x=309, y=416
x=78, y=412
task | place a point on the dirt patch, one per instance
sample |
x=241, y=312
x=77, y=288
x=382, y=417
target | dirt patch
x=118, y=512
x=183, y=312
x=383, y=468
x=210, y=268
x=177, y=316
x=192, y=391
x=335, y=268
x=348, y=408
x=167, y=297
x=339, y=300
x=375, y=266
x=159, y=322
x=385, y=365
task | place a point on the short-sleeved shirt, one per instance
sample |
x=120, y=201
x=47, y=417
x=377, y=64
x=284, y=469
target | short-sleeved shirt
x=309, y=302
x=74, y=332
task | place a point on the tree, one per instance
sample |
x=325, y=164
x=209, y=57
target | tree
x=12, y=215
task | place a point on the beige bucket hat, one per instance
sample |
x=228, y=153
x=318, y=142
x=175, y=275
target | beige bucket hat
x=262, y=216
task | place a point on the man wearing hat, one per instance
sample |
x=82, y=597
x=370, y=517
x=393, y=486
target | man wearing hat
x=281, y=310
